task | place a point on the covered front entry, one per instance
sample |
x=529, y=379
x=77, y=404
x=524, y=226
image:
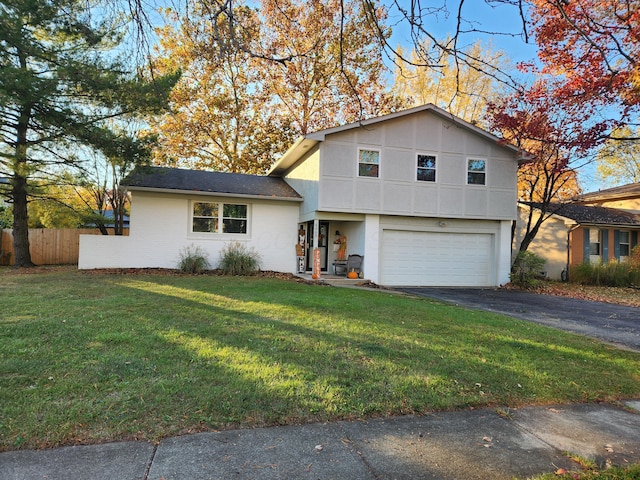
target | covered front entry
x=323, y=243
x=437, y=258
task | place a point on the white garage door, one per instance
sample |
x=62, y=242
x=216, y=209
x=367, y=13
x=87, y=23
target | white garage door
x=436, y=259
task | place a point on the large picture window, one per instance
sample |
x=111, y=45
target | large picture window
x=476, y=172
x=216, y=217
x=205, y=217
x=426, y=168
x=234, y=219
x=368, y=163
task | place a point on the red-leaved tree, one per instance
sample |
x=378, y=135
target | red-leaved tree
x=592, y=48
x=558, y=138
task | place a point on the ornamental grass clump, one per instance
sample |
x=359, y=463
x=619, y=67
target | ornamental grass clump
x=193, y=260
x=238, y=259
x=610, y=274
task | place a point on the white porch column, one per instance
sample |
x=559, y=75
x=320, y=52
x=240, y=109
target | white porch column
x=503, y=253
x=316, y=232
x=371, y=266
x=315, y=267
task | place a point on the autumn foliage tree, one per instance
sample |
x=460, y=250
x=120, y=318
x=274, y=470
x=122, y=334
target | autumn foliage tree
x=335, y=68
x=592, y=47
x=221, y=117
x=460, y=88
x=255, y=79
x=618, y=161
x=556, y=139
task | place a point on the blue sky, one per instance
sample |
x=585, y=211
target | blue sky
x=503, y=21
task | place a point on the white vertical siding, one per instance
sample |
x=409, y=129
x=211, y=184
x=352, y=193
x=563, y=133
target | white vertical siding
x=160, y=230
x=397, y=191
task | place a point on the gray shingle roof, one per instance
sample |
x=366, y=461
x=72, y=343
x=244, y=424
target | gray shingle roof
x=201, y=181
x=592, y=215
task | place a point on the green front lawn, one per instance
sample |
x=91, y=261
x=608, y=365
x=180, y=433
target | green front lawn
x=89, y=357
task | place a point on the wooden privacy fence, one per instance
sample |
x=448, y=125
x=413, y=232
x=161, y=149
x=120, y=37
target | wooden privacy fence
x=48, y=246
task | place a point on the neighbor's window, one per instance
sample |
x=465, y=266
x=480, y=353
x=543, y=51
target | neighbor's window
x=624, y=244
x=594, y=242
x=215, y=217
x=476, y=172
x=426, y=168
x=368, y=163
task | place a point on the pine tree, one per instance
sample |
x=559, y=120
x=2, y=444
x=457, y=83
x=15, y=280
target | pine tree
x=61, y=87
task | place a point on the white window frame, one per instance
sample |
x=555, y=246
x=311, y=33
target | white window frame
x=624, y=258
x=484, y=172
x=379, y=164
x=595, y=238
x=435, y=168
x=219, y=218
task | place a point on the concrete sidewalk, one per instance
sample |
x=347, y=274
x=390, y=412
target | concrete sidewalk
x=466, y=445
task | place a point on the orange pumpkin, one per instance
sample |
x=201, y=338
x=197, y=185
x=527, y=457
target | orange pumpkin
x=352, y=274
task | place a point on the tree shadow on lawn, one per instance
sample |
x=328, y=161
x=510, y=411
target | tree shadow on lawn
x=215, y=358
x=340, y=366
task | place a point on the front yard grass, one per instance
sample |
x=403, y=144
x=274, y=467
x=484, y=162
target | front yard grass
x=93, y=357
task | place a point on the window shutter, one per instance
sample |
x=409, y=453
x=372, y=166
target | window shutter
x=634, y=239
x=616, y=244
x=605, y=245
x=585, y=252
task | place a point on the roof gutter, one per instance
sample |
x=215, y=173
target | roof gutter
x=210, y=194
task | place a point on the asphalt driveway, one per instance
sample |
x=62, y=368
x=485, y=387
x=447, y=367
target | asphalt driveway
x=611, y=323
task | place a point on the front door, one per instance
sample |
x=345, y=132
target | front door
x=323, y=238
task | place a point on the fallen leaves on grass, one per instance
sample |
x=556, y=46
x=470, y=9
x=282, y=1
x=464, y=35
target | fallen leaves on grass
x=617, y=295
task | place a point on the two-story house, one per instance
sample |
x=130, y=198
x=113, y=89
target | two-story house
x=426, y=198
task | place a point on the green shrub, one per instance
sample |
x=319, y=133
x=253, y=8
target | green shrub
x=237, y=259
x=526, y=269
x=582, y=273
x=634, y=258
x=193, y=259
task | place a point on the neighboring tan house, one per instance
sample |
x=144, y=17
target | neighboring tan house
x=597, y=227
x=426, y=198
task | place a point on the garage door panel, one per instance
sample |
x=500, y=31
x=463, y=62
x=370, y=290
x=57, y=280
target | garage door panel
x=436, y=259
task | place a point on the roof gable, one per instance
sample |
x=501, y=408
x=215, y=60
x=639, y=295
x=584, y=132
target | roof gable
x=179, y=180
x=303, y=144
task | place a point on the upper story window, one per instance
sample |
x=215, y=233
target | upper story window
x=217, y=217
x=476, y=172
x=368, y=163
x=426, y=168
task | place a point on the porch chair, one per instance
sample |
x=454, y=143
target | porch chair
x=354, y=262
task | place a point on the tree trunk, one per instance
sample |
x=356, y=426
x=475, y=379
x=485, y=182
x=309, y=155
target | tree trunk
x=102, y=227
x=20, y=223
x=19, y=193
x=532, y=229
